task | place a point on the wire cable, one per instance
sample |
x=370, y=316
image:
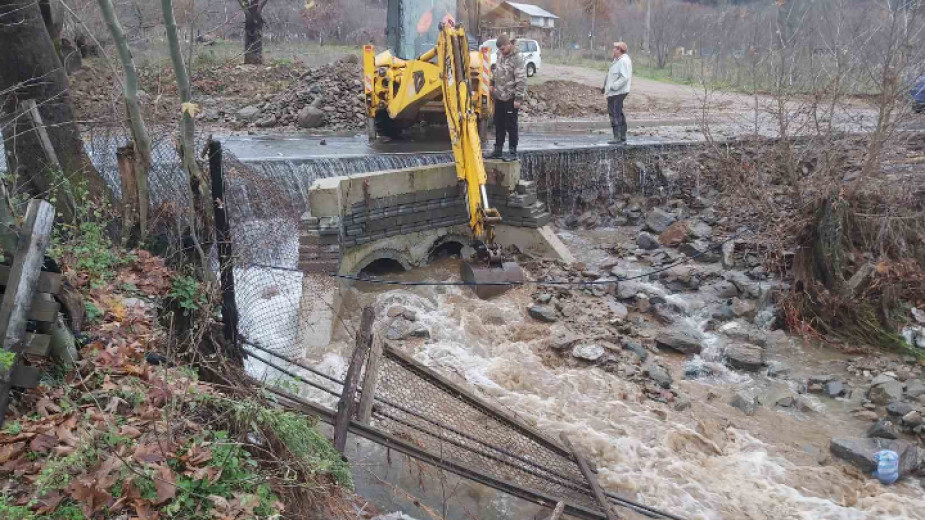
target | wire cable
x=607, y=281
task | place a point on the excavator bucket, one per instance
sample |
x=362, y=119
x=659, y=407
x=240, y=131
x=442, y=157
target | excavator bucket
x=491, y=280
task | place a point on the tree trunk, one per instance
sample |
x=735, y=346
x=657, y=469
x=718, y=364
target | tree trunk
x=253, y=32
x=30, y=69
x=140, y=137
x=199, y=222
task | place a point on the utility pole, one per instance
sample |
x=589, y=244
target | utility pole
x=593, y=19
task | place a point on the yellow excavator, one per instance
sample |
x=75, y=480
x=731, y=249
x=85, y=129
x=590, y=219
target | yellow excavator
x=454, y=82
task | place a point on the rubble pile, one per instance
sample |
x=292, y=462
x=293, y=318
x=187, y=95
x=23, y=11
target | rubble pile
x=563, y=99
x=329, y=97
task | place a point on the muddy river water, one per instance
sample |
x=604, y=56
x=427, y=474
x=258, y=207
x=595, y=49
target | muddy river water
x=709, y=461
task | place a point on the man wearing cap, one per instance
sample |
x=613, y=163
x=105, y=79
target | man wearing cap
x=508, y=87
x=616, y=88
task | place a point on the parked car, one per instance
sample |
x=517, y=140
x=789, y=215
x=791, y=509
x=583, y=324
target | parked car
x=917, y=93
x=529, y=51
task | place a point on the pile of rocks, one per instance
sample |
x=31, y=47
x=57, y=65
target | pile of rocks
x=563, y=99
x=329, y=97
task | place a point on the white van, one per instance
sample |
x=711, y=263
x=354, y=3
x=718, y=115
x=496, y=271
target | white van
x=529, y=51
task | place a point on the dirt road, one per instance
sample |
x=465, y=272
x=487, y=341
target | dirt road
x=656, y=99
x=668, y=110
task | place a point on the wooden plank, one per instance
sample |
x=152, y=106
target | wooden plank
x=347, y=404
x=50, y=283
x=370, y=380
x=43, y=308
x=591, y=478
x=25, y=377
x=37, y=344
x=20, y=291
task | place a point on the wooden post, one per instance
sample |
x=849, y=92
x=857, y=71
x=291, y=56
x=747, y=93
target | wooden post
x=557, y=512
x=370, y=380
x=590, y=477
x=31, y=111
x=9, y=233
x=226, y=266
x=347, y=404
x=20, y=288
x=125, y=157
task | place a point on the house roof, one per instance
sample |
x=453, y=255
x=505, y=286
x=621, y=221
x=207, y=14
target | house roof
x=532, y=10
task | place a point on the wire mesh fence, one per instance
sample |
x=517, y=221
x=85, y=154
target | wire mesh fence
x=416, y=404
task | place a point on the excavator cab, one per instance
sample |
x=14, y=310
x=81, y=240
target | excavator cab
x=454, y=83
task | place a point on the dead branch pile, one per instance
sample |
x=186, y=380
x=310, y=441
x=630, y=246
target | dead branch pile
x=852, y=246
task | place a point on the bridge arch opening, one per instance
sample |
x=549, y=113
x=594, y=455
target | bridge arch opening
x=445, y=249
x=382, y=266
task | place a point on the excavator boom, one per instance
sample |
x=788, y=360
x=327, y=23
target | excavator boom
x=400, y=89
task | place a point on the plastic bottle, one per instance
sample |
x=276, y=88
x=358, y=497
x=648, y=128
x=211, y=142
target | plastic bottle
x=887, y=466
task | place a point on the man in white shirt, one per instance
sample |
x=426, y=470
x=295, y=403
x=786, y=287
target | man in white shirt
x=616, y=88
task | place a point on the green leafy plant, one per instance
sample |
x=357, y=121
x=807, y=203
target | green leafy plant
x=238, y=476
x=13, y=428
x=58, y=471
x=10, y=512
x=7, y=359
x=85, y=245
x=93, y=312
x=185, y=290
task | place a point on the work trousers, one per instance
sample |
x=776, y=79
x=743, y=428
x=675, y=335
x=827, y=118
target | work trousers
x=617, y=119
x=505, y=123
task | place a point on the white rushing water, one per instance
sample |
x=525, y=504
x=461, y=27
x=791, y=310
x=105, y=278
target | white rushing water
x=687, y=464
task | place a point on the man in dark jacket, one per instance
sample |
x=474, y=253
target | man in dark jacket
x=508, y=87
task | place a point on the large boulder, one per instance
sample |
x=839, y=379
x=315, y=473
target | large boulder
x=915, y=388
x=660, y=375
x=679, y=341
x=885, y=390
x=544, y=313
x=745, y=357
x=249, y=113
x=860, y=452
x=700, y=229
x=883, y=429
x=401, y=329
x=310, y=117
x=675, y=235
x=899, y=408
x=588, y=352
x=701, y=251
x=658, y=220
x=744, y=401
x=647, y=241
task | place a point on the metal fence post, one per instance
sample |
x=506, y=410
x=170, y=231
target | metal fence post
x=225, y=261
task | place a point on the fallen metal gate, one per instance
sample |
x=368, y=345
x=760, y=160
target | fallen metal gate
x=412, y=409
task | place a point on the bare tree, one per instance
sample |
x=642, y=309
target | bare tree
x=898, y=54
x=141, y=141
x=253, y=30
x=199, y=231
x=30, y=69
x=669, y=23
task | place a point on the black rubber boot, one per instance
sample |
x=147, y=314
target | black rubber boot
x=496, y=154
x=512, y=155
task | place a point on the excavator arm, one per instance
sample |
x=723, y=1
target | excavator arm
x=399, y=91
x=452, y=53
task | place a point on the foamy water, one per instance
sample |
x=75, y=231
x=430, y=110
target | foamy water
x=674, y=464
